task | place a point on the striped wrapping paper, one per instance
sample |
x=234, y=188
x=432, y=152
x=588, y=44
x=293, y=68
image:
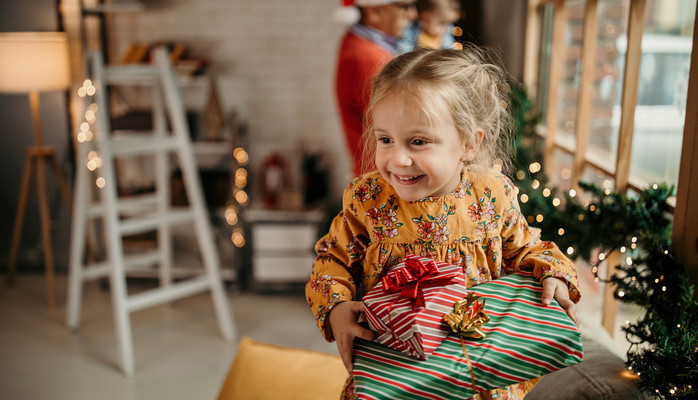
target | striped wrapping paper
x=417, y=332
x=524, y=340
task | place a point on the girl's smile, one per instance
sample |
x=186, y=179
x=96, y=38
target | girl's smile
x=419, y=156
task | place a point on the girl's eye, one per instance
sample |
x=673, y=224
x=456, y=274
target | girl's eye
x=419, y=142
x=383, y=140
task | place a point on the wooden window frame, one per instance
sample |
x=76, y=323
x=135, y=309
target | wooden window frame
x=685, y=228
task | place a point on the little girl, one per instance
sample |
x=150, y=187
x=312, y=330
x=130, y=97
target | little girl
x=438, y=131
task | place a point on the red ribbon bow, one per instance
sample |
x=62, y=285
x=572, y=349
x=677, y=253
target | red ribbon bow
x=413, y=277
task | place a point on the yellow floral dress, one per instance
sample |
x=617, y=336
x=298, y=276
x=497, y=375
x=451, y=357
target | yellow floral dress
x=478, y=226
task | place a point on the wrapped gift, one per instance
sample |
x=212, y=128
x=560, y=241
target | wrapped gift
x=523, y=340
x=406, y=307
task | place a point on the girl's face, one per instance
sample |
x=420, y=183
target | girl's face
x=417, y=156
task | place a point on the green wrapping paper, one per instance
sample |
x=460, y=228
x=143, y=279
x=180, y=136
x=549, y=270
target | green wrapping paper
x=524, y=340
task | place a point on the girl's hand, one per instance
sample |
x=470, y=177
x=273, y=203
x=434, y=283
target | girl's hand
x=343, y=321
x=557, y=288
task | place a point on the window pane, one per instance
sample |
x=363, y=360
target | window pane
x=568, y=91
x=604, y=126
x=662, y=90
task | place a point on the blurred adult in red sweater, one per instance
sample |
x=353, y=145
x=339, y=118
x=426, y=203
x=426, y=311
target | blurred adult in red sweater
x=365, y=48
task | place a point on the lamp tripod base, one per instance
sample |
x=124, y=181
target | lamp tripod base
x=35, y=162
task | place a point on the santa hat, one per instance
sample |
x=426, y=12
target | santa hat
x=348, y=14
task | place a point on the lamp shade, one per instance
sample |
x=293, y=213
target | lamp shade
x=33, y=61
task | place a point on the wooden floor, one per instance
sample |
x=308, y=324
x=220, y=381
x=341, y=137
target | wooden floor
x=179, y=351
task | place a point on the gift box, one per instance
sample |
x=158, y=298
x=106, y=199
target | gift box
x=524, y=340
x=406, y=307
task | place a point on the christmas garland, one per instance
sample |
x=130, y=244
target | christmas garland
x=590, y=225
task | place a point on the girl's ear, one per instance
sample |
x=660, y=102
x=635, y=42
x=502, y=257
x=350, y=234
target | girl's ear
x=472, y=146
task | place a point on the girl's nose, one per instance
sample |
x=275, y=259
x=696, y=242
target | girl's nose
x=401, y=158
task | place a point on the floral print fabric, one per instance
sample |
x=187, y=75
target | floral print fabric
x=478, y=226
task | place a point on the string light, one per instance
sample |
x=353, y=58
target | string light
x=573, y=192
x=546, y=192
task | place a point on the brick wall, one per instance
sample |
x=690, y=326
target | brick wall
x=274, y=62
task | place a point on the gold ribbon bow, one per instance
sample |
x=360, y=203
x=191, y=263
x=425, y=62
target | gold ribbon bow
x=466, y=320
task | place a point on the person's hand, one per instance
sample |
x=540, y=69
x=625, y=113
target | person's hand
x=343, y=321
x=557, y=288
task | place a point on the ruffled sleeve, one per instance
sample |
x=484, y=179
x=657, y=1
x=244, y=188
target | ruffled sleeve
x=338, y=265
x=523, y=249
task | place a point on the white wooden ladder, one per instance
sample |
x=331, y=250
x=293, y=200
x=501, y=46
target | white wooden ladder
x=129, y=215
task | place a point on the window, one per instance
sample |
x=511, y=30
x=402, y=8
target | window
x=612, y=78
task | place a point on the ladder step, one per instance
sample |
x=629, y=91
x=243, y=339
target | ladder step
x=164, y=294
x=151, y=222
x=136, y=74
x=131, y=262
x=126, y=205
x=127, y=143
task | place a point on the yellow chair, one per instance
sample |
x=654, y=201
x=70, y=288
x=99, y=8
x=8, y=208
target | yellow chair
x=269, y=372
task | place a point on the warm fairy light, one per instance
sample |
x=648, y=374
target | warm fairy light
x=629, y=261
x=602, y=256
x=556, y=202
x=100, y=182
x=570, y=250
x=90, y=116
x=520, y=174
x=539, y=218
x=84, y=127
x=457, y=31
x=678, y=325
x=238, y=238
x=457, y=46
x=524, y=197
x=534, y=167
x=560, y=231
x=241, y=156
x=594, y=269
x=663, y=288
x=546, y=192
x=241, y=181
x=633, y=246
x=627, y=321
x=592, y=208
x=573, y=192
x=666, y=252
x=566, y=173
x=607, y=191
x=607, y=184
x=241, y=197
x=231, y=215
x=634, y=239
x=580, y=217
x=621, y=294
x=622, y=249
x=654, y=186
x=535, y=184
x=656, y=281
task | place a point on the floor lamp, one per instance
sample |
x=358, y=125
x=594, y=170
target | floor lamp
x=33, y=62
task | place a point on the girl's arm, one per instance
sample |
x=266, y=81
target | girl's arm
x=522, y=249
x=338, y=268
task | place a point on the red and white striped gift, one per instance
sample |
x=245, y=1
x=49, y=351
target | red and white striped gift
x=400, y=321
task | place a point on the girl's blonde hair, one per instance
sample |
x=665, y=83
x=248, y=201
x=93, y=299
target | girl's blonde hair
x=466, y=85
